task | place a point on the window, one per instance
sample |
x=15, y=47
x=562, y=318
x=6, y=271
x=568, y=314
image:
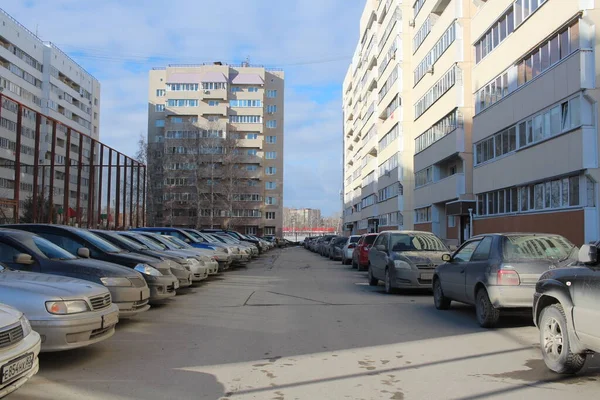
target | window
x=269, y=230
x=451, y=221
x=270, y=215
x=271, y=93
x=418, y=4
x=422, y=34
x=253, y=89
x=499, y=30
x=245, y=119
x=271, y=109
x=424, y=177
x=213, y=85
x=8, y=253
x=159, y=123
x=272, y=124
x=159, y=107
x=251, y=167
x=182, y=87
x=388, y=192
x=389, y=137
x=389, y=83
x=270, y=201
x=447, y=81
x=271, y=139
x=235, y=89
x=252, y=152
x=368, y=201
x=435, y=53
x=388, y=165
x=213, y=103
x=271, y=155
x=252, y=136
x=422, y=215
x=270, y=185
x=438, y=130
x=270, y=170
x=245, y=103
x=465, y=253
x=182, y=103
x=160, y=92
x=482, y=252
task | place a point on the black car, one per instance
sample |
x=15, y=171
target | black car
x=83, y=243
x=236, y=235
x=175, y=263
x=25, y=251
x=335, y=248
x=566, y=311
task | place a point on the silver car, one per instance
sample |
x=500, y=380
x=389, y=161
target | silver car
x=348, y=249
x=405, y=259
x=67, y=313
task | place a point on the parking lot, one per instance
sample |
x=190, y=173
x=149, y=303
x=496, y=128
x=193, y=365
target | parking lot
x=294, y=325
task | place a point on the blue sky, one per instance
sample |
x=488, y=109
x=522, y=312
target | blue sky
x=313, y=40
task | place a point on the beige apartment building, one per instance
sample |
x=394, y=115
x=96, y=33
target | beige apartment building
x=241, y=107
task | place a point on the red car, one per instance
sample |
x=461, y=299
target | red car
x=360, y=256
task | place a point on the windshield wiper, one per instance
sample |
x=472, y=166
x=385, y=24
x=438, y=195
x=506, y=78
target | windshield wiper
x=568, y=254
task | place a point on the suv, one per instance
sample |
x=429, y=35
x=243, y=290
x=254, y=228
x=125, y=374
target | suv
x=360, y=256
x=565, y=310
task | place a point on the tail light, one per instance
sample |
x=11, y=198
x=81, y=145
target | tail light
x=351, y=246
x=508, y=277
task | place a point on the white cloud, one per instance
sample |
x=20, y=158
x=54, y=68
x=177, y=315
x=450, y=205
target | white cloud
x=120, y=41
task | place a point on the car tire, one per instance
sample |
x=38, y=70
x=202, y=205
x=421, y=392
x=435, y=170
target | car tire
x=372, y=280
x=354, y=265
x=440, y=301
x=487, y=314
x=343, y=261
x=553, y=328
x=388, y=282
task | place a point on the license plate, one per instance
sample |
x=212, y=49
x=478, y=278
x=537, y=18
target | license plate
x=17, y=367
x=109, y=320
x=427, y=276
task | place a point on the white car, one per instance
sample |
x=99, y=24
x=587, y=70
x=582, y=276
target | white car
x=19, y=350
x=348, y=249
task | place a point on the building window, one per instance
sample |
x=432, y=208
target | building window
x=438, y=130
x=159, y=107
x=388, y=192
x=435, y=53
x=388, y=165
x=270, y=201
x=271, y=139
x=389, y=83
x=421, y=34
x=422, y=215
x=424, y=177
x=271, y=108
x=182, y=103
x=500, y=29
x=270, y=215
x=253, y=89
x=558, y=119
x=213, y=103
x=159, y=123
x=450, y=78
x=245, y=119
x=160, y=92
x=271, y=93
x=182, y=87
x=558, y=193
x=252, y=182
x=251, y=167
x=252, y=152
x=245, y=103
x=418, y=4
x=272, y=124
x=368, y=201
x=270, y=170
x=271, y=155
x=269, y=230
x=213, y=85
x=252, y=136
x=235, y=89
x=270, y=185
x=451, y=221
x=389, y=137
x=251, y=230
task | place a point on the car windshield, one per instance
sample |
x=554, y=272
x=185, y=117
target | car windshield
x=149, y=243
x=196, y=236
x=416, y=242
x=46, y=248
x=217, y=238
x=178, y=242
x=129, y=242
x=97, y=241
x=369, y=239
x=529, y=247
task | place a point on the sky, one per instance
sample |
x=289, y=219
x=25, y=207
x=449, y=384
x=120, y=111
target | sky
x=312, y=40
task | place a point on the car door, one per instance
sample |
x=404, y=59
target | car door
x=378, y=258
x=452, y=274
x=475, y=269
x=586, y=311
x=9, y=251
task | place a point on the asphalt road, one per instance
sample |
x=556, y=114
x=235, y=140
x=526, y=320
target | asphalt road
x=294, y=325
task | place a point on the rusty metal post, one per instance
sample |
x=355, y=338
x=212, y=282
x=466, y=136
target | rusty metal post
x=131, y=196
x=36, y=164
x=91, y=184
x=17, y=188
x=52, y=165
x=144, y=198
x=79, y=162
x=67, y=189
x=125, y=158
x=100, y=183
x=137, y=201
x=108, y=194
x=118, y=192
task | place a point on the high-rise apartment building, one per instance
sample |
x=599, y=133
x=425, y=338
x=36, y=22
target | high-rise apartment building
x=37, y=78
x=498, y=107
x=215, y=135
x=302, y=218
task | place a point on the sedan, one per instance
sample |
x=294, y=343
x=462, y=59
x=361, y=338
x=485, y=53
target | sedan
x=348, y=249
x=68, y=313
x=498, y=271
x=26, y=251
x=19, y=350
x=405, y=259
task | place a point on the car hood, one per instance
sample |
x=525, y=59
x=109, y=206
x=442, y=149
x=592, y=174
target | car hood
x=20, y=286
x=98, y=268
x=8, y=315
x=134, y=258
x=421, y=257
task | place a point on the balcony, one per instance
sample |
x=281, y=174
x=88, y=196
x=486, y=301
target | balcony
x=220, y=94
x=443, y=190
x=443, y=148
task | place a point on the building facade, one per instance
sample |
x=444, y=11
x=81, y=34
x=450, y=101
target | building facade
x=215, y=135
x=41, y=86
x=302, y=218
x=502, y=116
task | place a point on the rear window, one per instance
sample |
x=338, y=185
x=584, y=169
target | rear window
x=354, y=239
x=529, y=247
x=370, y=239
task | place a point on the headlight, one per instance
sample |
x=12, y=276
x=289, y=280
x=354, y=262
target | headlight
x=115, y=281
x=25, y=325
x=401, y=264
x=67, y=307
x=147, y=270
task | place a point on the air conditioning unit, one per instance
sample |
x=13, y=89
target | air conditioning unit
x=207, y=92
x=430, y=70
x=411, y=23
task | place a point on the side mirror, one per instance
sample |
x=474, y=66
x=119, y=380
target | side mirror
x=187, y=240
x=24, y=259
x=588, y=254
x=83, y=252
x=446, y=257
x=381, y=247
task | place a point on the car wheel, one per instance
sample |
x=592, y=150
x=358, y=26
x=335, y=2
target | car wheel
x=554, y=340
x=388, y=282
x=354, y=264
x=441, y=302
x=343, y=261
x=487, y=314
x=372, y=280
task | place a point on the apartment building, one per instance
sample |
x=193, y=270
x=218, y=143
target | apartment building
x=378, y=179
x=534, y=132
x=38, y=79
x=301, y=218
x=235, y=111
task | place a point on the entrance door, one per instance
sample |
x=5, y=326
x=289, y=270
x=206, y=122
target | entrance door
x=465, y=228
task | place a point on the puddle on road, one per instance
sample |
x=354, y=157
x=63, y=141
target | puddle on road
x=538, y=372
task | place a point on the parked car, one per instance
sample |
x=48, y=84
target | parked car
x=210, y=260
x=25, y=251
x=158, y=276
x=405, y=259
x=336, y=248
x=232, y=250
x=19, y=350
x=221, y=254
x=236, y=235
x=176, y=264
x=348, y=249
x=195, y=262
x=247, y=249
x=324, y=245
x=566, y=312
x=360, y=256
x=498, y=271
x=68, y=313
